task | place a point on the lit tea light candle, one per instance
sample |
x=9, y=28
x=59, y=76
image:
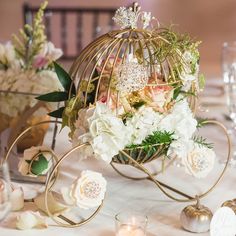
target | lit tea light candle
x=130, y=230
x=128, y=224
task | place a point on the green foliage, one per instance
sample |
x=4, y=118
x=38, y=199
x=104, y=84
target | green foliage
x=64, y=79
x=188, y=93
x=202, y=142
x=68, y=96
x=57, y=113
x=31, y=38
x=57, y=96
x=201, y=122
x=39, y=165
x=138, y=104
x=172, y=44
x=126, y=116
x=177, y=91
x=152, y=143
x=201, y=81
x=70, y=113
x=169, y=49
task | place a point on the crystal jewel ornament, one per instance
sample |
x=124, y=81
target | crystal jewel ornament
x=132, y=76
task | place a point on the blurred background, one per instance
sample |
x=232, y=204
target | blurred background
x=211, y=22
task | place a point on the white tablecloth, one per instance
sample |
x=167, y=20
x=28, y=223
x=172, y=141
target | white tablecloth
x=141, y=196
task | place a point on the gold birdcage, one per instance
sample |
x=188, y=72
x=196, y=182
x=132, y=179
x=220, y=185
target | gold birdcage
x=105, y=64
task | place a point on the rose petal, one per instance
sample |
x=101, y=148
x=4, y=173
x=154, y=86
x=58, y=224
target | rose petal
x=29, y=220
x=29, y=154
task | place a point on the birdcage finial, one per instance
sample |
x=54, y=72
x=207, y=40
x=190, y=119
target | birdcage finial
x=132, y=17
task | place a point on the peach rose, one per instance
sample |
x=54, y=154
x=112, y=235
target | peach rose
x=157, y=96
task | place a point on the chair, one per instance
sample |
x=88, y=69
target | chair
x=71, y=28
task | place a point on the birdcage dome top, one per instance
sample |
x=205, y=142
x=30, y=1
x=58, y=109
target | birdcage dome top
x=128, y=60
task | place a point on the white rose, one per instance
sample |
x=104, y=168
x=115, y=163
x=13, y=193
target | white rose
x=40, y=160
x=199, y=161
x=29, y=219
x=86, y=192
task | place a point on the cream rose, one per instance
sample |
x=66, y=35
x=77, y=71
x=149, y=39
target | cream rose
x=36, y=161
x=199, y=161
x=86, y=192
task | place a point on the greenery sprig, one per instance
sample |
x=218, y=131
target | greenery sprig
x=201, y=122
x=68, y=112
x=151, y=143
x=202, y=142
x=178, y=91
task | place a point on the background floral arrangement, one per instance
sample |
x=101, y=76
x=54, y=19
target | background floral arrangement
x=26, y=68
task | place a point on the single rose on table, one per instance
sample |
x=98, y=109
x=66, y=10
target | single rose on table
x=87, y=191
x=36, y=161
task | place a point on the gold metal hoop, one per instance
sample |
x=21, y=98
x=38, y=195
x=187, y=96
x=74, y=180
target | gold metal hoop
x=55, y=158
x=23, y=133
x=49, y=185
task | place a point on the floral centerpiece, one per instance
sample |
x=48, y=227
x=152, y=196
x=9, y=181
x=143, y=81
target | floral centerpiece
x=26, y=69
x=130, y=99
x=138, y=100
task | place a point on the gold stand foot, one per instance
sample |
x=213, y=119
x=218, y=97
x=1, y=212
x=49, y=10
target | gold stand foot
x=231, y=204
x=196, y=218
